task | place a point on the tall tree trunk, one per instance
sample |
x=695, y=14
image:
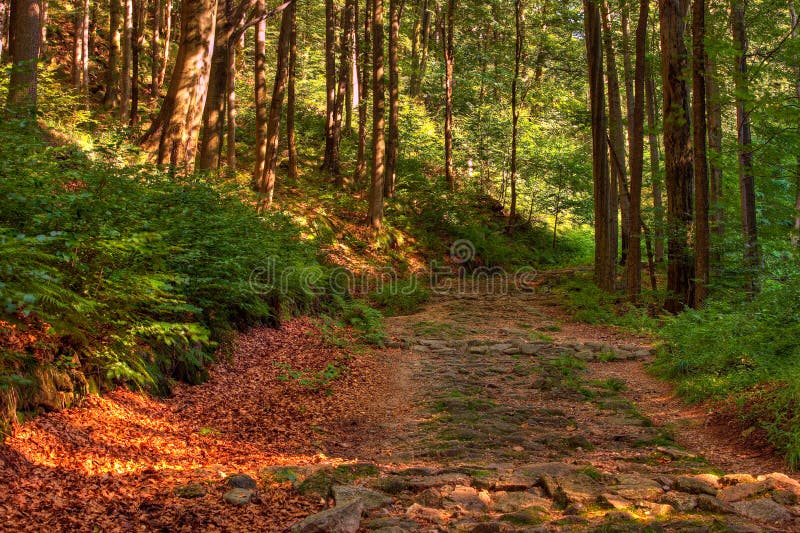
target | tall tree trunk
x=291, y=98
x=393, y=134
x=80, y=45
x=633, y=275
x=155, y=48
x=266, y=188
x=230, y=108
x=4, y=8
x=341, y=90
x=378, y=119
x=44, y=19
x=677, y=154
x=328, y=164
x=214, y=111
x=259, y=60
x=176, y=129
x=25, y=41
x=127, y=60
x=702, y=243
x=139, y=7
x=604, y=209
x=360, y=173
x=714, y=123
x=416, y=47
x=449, y=59
x=616, y=132
x=167, y=25
x=745, y=149
x=84, y=43
x=114, y=43
x=627, y=66
x=655, y=165
x=519, y=22
x=796, y=59
x=425, y=48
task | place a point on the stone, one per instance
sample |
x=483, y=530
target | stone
x=511, y=502
x=437, y=516
x=479, y=349
x=694, y=485
x=241, y=481
x=487, y=527
x=467, y=498
x=192, y=490
x=571, y=488
x=531, y=348
x=238, y=496
x=612, y=501
x=633, y=487
x=655, y=509
x=340, y=519
x=344, y=494
x=764, y=510
x=711, y=504
x=675, y=453
x=735, y=479
x=531, y=516
x=642, y=354
x=745, y=491
x=536, y=471
x=785, y=497
x=681, y=501
x=500, y=347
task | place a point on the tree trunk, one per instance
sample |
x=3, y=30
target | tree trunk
x=291, y=98
x=796, y=234
x=259, y=60
x=604, y=209
x=230, y=108
x=378, y=119
x=214, y=111
x=167, y=24
x=519, y=22
x=677, y=154
x=266, y=188
x=177, y=127
x=393, y=136
x=114, y=43
x=627, y=66
x=155, y=48
x=138, y=47
x=702, y=244
x=633, y=274
x=745, y=149
x=449, y=58
x=616, y=132
x=25, y=40
x=655, y=166
x=714, y=123
x=3, y=31
x=341, y=91
x=127, y=60
x=80, y=46
x=328, y=164
x=44, y=17
x=360, y=173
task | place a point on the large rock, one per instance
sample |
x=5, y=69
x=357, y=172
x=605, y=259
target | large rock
x=636, y=488
x=694, y=485
x=468, y=499
x=241, y=481
x=745, y=491
x=340, y=519
x=511, y=502
x=428, y=514
x=764, y=510
x=345, y=494
x=238, y=496
x=571, y=488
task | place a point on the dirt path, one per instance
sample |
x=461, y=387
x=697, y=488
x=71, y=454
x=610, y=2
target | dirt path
x=488, y=413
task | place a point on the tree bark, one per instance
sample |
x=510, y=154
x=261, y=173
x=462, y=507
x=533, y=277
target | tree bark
x=677, y=154
x=259, y=60
x=378, y=119
x=604, y=209
x=139, y=7
x=702, y=243
x=745, y=149
x=291, y=98
x=655, y=166
x=127, y=60
x=627, y=66
x=167, y=24
x=449, y=60
x=26, y=38
x=393, y=134
x=419, y=36
x=80, y=48
x=155, y=48
x=230, y=108
x=616, y=133
x=360, y=172
x=176, y=129
x=714, y=123
x=114, y=43
x=267, y=185
x=4, y=8
x=633, y=275
x=345, y=54
x=329, y=162
x=519, y=22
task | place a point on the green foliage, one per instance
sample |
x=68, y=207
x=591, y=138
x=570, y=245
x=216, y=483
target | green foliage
x=355, y=315
x=319, y=381
x=139, y=273
x=402, y=297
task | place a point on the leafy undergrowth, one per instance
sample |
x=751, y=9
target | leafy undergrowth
x=113, y=465
x=745, y=355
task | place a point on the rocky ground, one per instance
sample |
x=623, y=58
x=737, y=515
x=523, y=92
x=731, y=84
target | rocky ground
x=512, y=429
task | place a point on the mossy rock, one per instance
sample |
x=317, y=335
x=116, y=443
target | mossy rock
x=320, y=483
x=530, y=516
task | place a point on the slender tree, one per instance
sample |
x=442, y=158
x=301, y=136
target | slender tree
x=291, y=98
x=655, y=165
x=360, y=172
x=260, y=93
x=393, y=133
x=137, y=47
x=329, y=163
x=80, y=46
x=745, y=148
x=604, y=209
x=378, y=119
x=449, y=60
x=519, y=43
x=127, y=60
x=267, y=185
x=702, y=243
x=114, y=44
x=345, y=54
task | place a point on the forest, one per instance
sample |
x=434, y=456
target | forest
x=400, y=265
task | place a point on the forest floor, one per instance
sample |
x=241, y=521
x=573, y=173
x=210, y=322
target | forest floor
x=488, y=412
